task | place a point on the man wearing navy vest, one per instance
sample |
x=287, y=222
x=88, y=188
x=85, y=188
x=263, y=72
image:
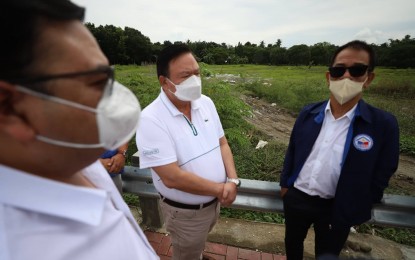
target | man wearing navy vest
x=341, y=155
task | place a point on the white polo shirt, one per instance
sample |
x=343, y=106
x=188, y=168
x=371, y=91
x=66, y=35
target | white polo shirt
x=165, y=136
x=50, y=220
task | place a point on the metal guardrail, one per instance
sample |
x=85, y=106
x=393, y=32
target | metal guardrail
x=395, y=210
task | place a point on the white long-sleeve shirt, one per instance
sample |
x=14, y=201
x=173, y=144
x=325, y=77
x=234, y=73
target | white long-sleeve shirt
x=49, y=220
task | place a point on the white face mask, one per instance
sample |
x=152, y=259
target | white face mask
x=188, y=90
x=117, y=116
x=345, y=89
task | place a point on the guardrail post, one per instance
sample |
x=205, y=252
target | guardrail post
x=150, y=208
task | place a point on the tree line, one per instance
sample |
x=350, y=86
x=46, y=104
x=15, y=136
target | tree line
x=130, y=46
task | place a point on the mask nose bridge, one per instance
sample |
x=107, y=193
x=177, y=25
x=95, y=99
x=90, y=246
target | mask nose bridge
x=188, y=78
x=350, y=77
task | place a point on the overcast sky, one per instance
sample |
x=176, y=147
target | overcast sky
x=232, y=21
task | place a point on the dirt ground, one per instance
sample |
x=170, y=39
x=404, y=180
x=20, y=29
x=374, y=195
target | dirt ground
x=277, y=123
x=269, y=237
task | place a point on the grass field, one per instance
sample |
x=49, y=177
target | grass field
x=292, y=88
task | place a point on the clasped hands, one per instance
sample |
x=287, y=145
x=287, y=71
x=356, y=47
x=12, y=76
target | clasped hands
x=114, y=164
x=228, y=194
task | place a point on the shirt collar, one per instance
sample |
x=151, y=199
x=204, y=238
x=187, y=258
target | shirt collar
x=359, y=110
x=349, y=114
x=172, y=108
x=33, y=193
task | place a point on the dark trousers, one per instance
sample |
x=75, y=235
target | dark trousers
x=301, y=210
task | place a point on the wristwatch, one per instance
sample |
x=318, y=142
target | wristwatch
x=236, y=181
x=123, y=153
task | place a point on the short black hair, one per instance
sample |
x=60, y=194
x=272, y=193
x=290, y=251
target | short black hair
x=357, y=45
x=19, y=27
x=168, y=54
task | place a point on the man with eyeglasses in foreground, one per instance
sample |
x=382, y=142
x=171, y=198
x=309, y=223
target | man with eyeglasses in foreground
x=341, y=155
x=60, y=109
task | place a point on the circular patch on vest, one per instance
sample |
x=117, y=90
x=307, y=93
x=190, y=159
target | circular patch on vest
x=363, y=142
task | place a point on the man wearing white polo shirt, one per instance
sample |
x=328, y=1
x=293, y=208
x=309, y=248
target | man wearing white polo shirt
x=181, y=139
x=60, y=109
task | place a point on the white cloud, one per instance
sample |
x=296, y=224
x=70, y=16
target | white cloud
x=370, y=36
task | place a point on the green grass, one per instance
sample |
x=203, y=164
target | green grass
x=131, y=199
x=290, y=87
x=252, y=215
x=404, y=236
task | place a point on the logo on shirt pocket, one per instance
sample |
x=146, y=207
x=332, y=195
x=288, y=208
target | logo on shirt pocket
x=363, y=142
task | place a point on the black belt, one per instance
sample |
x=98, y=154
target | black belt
x=187, y=206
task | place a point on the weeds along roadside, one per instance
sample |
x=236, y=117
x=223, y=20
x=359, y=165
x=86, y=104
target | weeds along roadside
x=290, y=87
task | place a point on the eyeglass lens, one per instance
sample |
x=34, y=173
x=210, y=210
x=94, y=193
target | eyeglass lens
x=355, y=71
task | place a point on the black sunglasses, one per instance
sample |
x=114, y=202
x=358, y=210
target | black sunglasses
x=355, y=71
x=109, y=70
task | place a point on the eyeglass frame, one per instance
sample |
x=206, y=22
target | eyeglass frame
x=109, y=70
x=350, y=69
x=101, y=69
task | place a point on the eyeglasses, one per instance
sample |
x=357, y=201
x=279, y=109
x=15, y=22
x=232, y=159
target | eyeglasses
x=109, y=70
x=107, y=83
x=355, y=71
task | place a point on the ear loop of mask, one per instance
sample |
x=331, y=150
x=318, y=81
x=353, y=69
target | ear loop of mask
x=55, y=99
x=173, y=85
x=67, y=144
x=64, y=102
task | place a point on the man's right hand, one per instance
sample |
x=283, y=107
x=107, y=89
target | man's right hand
x=228, y=194
x=106, y=163
x=283, y=191
x=175, y=178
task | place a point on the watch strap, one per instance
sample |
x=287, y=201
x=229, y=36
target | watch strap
x=123, y=153
x=235, y=180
